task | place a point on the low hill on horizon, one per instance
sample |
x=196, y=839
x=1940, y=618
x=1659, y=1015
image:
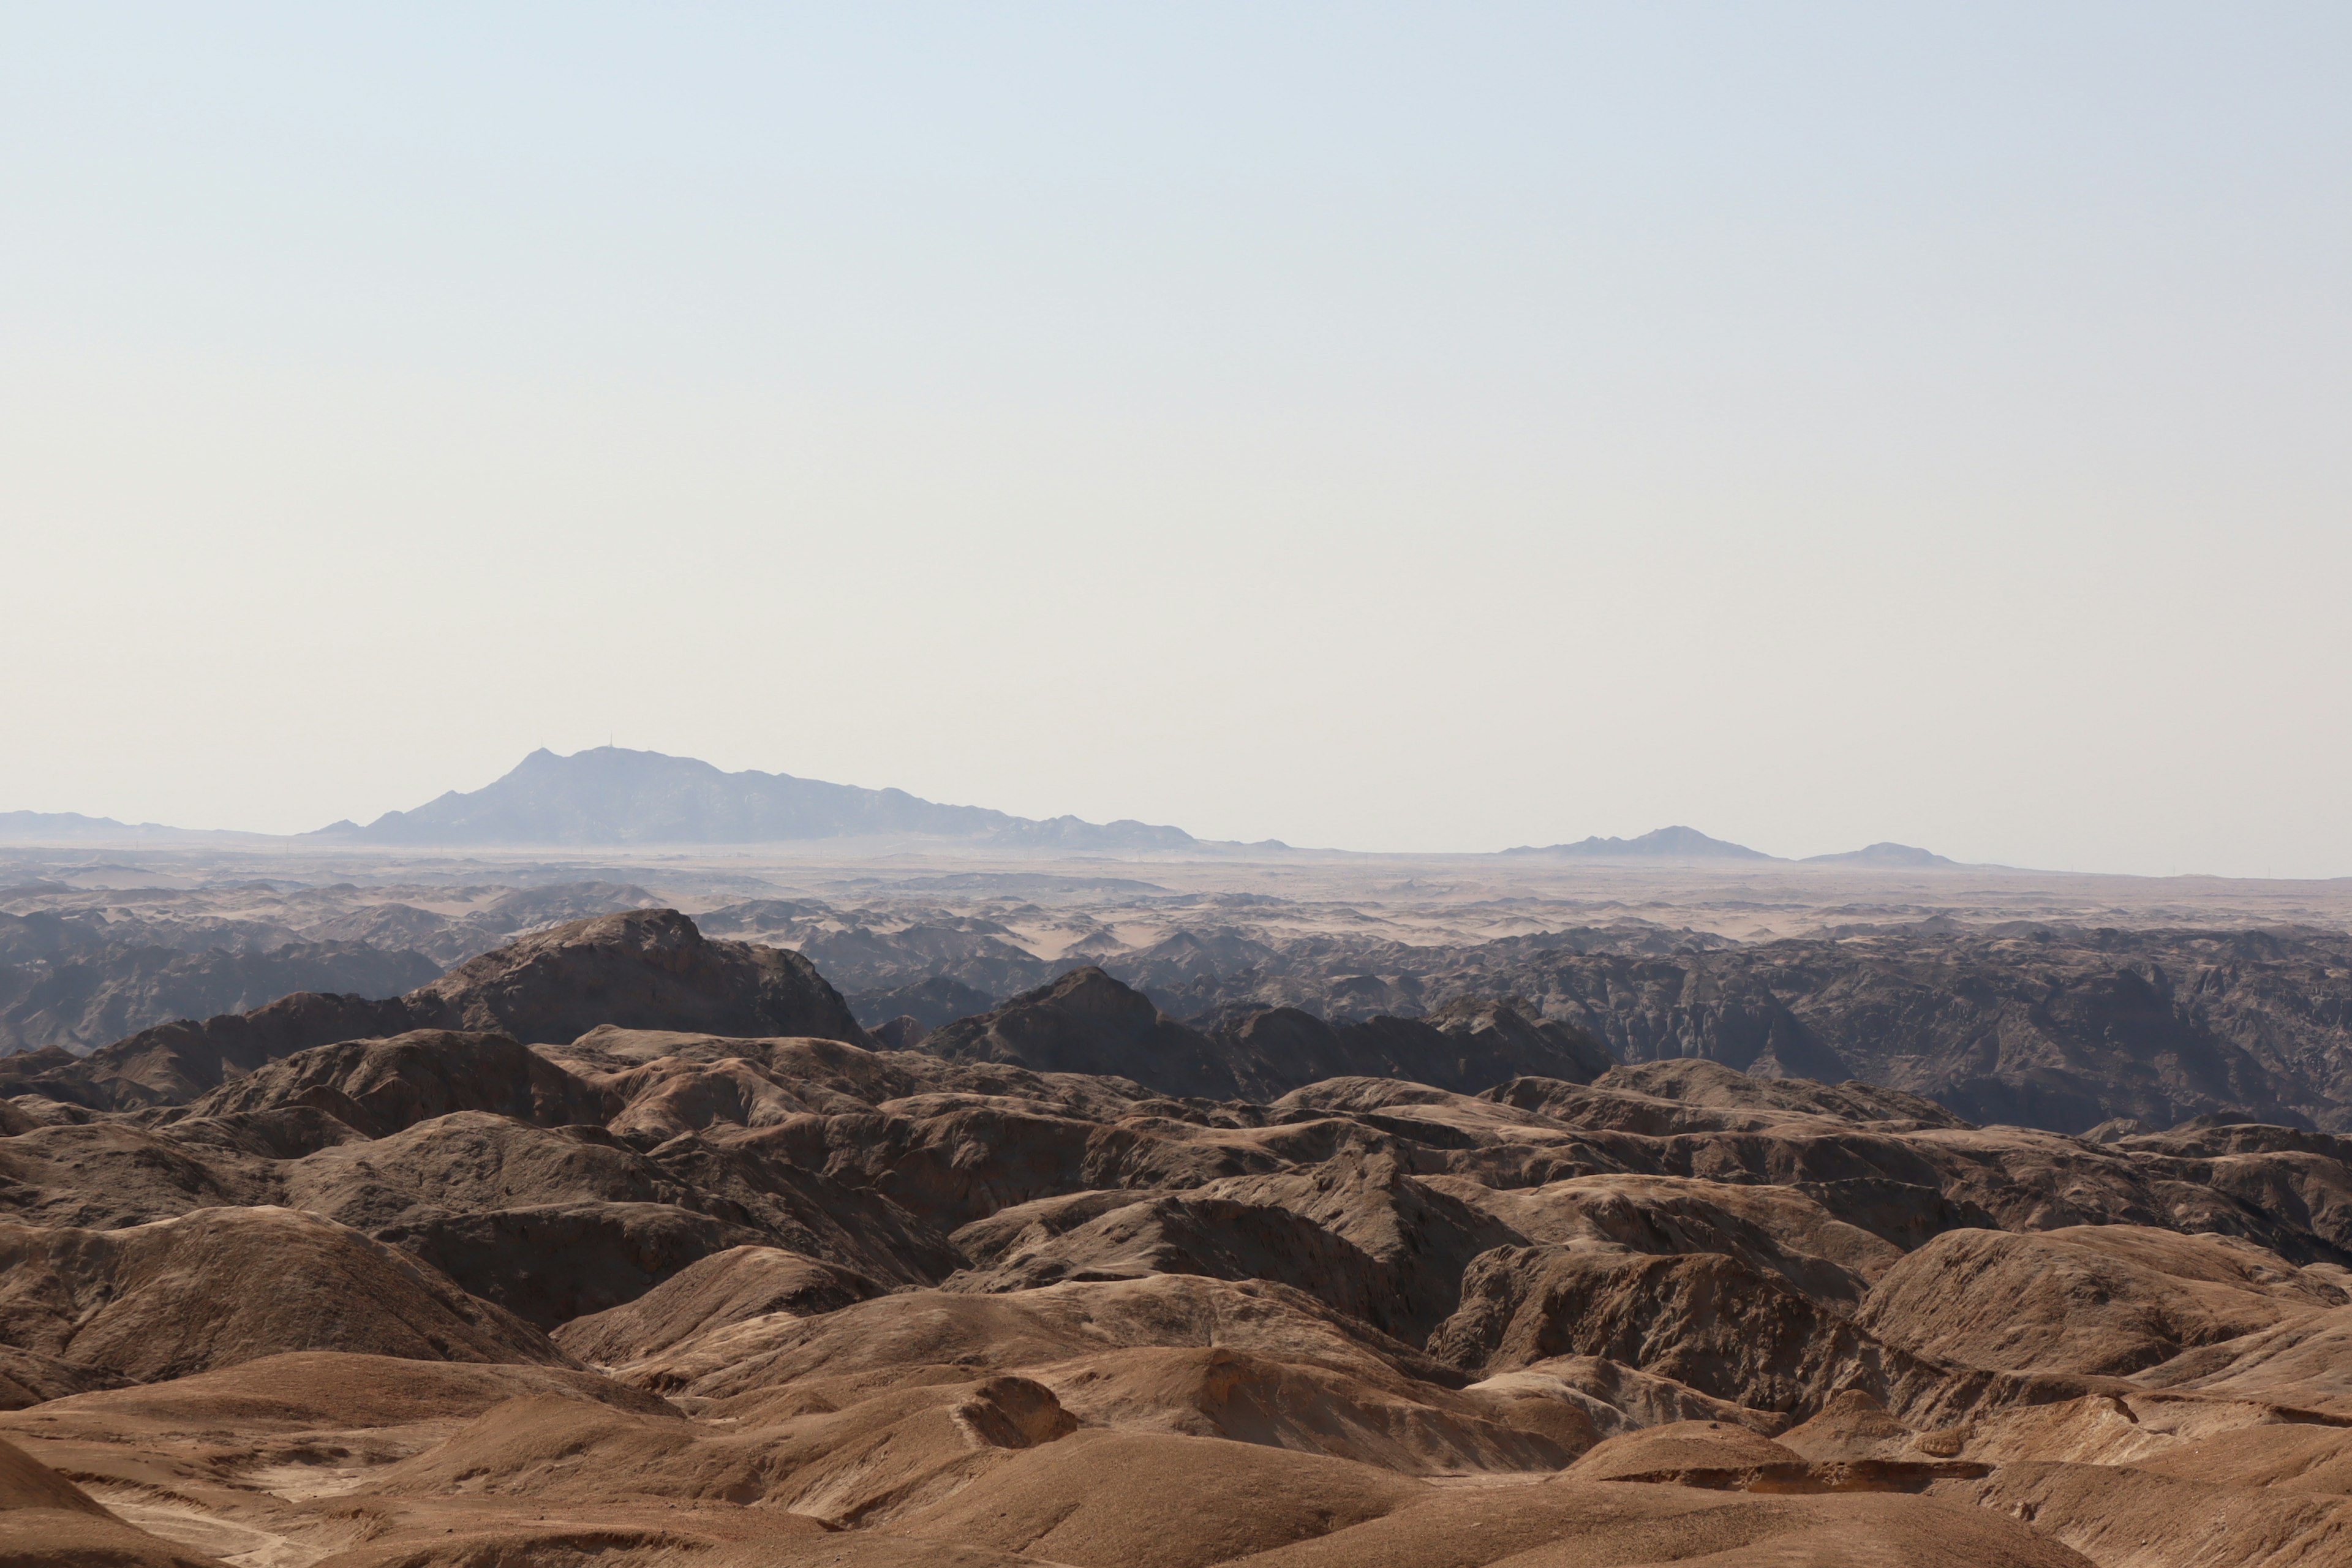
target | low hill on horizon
x=1687, y=845
x=1887, y=856
x=1664, y=843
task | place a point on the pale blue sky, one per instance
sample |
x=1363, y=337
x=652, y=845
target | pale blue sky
x=1389, y=427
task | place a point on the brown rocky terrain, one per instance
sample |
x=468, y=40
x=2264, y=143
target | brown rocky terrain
x=628, y=1247
x=2064, y=1002
x=649, y=967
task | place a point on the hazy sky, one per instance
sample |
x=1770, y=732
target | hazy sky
x=1393, y=427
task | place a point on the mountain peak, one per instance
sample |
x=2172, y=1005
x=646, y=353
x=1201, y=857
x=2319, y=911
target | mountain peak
x=614, y=796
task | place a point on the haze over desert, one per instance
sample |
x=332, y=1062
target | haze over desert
x=1147, y=787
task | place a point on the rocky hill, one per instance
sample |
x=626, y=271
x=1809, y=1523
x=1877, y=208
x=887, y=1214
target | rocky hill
x=644, y=968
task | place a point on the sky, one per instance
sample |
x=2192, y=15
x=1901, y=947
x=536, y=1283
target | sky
x=1389, y=426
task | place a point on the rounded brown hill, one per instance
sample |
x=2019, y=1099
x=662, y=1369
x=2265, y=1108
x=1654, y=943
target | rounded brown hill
x=222, y=1286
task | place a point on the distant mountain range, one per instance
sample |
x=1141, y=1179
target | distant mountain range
x=1663, y=843
x=613, y=796
x=73, y=827
x=1689, y=846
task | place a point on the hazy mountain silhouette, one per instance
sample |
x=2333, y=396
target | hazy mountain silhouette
x=1895, y=855
x=1664, y=843
x=73, y=827
x=612, y=795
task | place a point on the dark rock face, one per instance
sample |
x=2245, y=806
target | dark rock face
x=1087, y=1022
x=928, y=1003
x=647, y=969
x=2046, y=1026
x=555, y=1262
x=2042, y=1027
x=175, y=1062
x=1468, y=1045
x=1499, y=1040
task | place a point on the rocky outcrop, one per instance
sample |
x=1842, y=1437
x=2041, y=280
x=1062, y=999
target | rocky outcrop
x=643, y=969
x=1469, y=1045
x=1086, y=1022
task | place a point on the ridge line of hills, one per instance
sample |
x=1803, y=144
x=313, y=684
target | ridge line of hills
x=654, y=968
x=610, y=796
x=2053, y=1026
